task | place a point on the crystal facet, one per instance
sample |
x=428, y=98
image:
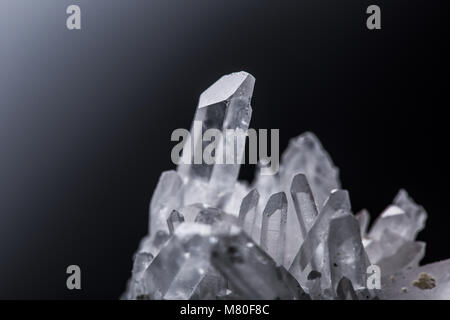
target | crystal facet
x=306, y=155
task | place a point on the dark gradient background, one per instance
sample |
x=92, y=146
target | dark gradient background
x=86, y=116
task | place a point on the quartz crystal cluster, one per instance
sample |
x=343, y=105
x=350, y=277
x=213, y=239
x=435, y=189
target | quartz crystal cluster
x=292, y=235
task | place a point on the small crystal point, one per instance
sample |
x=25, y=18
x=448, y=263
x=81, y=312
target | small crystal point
x=338, y=201
x=273, y=229
x=363, y=218
x=141, y=262
x=391, y=238
x=190, y=212
x=166, y=198
x=302, y=212
x=180, y=265
x=174, y=221
x=163, y=269
x=404, y=218
x=232, y=201
x=347, y=257
x=209, y=216
x=304, y=204
x=337, y=204
x=234, y=85
x=305, y=154
x=249, y=202
x=248, y=212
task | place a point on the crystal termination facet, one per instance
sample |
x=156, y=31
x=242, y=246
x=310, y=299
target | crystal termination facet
x=288, y=236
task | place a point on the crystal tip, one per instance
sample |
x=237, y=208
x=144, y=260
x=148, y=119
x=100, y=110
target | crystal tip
x=237, y=84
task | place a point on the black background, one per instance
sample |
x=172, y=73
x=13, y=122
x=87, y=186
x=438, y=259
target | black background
x=86, y=116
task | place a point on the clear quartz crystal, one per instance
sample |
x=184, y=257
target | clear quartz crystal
x=347, y=256
x=305, y=209
x=390, y=241
x=287, y=236
x=174, y=220
x=165, y=199
x=273, y=229
x=224, y=105
x=182, y=263
x=248, y=213
x=363, y=218
x=304, y=204
x=313, y=251
x=337, y=205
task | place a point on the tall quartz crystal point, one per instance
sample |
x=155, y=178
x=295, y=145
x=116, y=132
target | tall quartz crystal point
x=404, y=218
x=248, y=212
x=363, y=218
x=224, y=105
x=346, y=252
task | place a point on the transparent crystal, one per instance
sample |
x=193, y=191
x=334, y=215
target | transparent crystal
x=224, y=105
x=304, y=204
x=337, y=205
x=363, y=218
x=174, y=220
x=390, y=242
x=287, y=236
x=252, y=273
x=248, y=213
x=305, y=154
x=165, y=199
x=404, y=218
x=273, y=229
x=347, y=256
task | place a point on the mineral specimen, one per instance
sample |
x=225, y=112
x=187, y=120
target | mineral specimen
x=288, y=236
